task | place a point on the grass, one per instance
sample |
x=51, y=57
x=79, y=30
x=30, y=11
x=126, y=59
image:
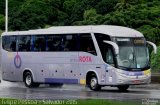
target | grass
x=65, y=102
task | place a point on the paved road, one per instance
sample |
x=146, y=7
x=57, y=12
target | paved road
x=18, y=90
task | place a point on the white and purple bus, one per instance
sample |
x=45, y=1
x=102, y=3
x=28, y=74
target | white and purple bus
x=96, y=56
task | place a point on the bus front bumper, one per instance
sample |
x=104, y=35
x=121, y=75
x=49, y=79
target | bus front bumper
x=133, y=80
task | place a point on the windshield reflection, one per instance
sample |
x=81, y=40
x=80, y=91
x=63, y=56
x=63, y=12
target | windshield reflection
x=132, y=55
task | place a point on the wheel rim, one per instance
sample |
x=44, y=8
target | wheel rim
x=28, y=80
x=93, y=83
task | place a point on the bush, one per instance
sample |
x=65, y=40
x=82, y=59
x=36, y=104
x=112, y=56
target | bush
x=155, y=61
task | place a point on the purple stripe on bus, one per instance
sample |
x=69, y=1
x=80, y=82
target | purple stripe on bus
x=56, y=80
x=134, y=73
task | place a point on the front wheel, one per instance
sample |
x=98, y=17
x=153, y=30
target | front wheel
x=93, y=84
x=123, y=87
x=28, y=80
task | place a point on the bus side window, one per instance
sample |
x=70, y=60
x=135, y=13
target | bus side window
x=53, y=42
x=66, y=42
x=69, y=43
x=57, y=42
x=39, y=43
x=109, y=56
x=24, y=43
x=9, y=43
x=86, y=44
x=50, y=44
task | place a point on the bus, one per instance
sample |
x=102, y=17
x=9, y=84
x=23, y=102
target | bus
x=95, y=56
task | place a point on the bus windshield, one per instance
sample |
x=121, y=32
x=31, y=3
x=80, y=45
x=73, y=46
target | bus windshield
x=133, y=53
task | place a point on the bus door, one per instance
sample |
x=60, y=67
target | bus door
x=109, y=53
x=109, y=59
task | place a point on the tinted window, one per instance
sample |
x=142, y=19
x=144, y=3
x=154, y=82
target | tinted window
x=9, y=43
x=106, y=49
x=70, y=43
x=100, y=38
x=86, y=44
x=39, y=43
x=62, y=43
x=24, y=43
x=54, y=43
x=66, y=42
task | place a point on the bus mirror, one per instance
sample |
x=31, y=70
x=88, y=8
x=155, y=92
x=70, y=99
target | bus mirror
x=115, y=46
x=153, y=45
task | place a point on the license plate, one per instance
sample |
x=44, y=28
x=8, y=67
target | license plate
x=136, y=81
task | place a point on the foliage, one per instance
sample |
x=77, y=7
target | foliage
x=34, y=14
x=155, y=61
x=2, y=22
x=152, y=33
x=106, y=6
x=2, y=7
x=31, y=14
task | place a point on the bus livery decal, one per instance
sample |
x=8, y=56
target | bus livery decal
x=85, y=59
x=17, y=61
x=61, y=80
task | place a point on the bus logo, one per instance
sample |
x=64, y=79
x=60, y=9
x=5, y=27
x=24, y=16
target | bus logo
x=17, y=61
x=85, y=59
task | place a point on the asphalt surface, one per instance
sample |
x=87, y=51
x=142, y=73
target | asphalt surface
x=44, y=92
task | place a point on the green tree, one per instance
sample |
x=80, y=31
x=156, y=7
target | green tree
x=34, y=14
x=68, y=6
x=2, y=7
x=155, y=59
x=2, y=22
x=77, y=14
x=106, y=6
x=90, y=3
x=122, y=5
x=62, y=19
x=115, y=18
x=90, y=17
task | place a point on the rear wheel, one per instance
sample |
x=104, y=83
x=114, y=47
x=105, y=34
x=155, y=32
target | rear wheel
x=93, y=84
x=123, y=87
x=28, y=80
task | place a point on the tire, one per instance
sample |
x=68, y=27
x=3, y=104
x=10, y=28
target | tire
x=28, y=80
x=93, y=84
x=123, y=88
x=56, y=84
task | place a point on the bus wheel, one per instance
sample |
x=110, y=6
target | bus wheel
x=28, y=80
x=93, y=84
x=123, y=88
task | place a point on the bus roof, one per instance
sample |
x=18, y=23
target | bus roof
x=113, y=31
